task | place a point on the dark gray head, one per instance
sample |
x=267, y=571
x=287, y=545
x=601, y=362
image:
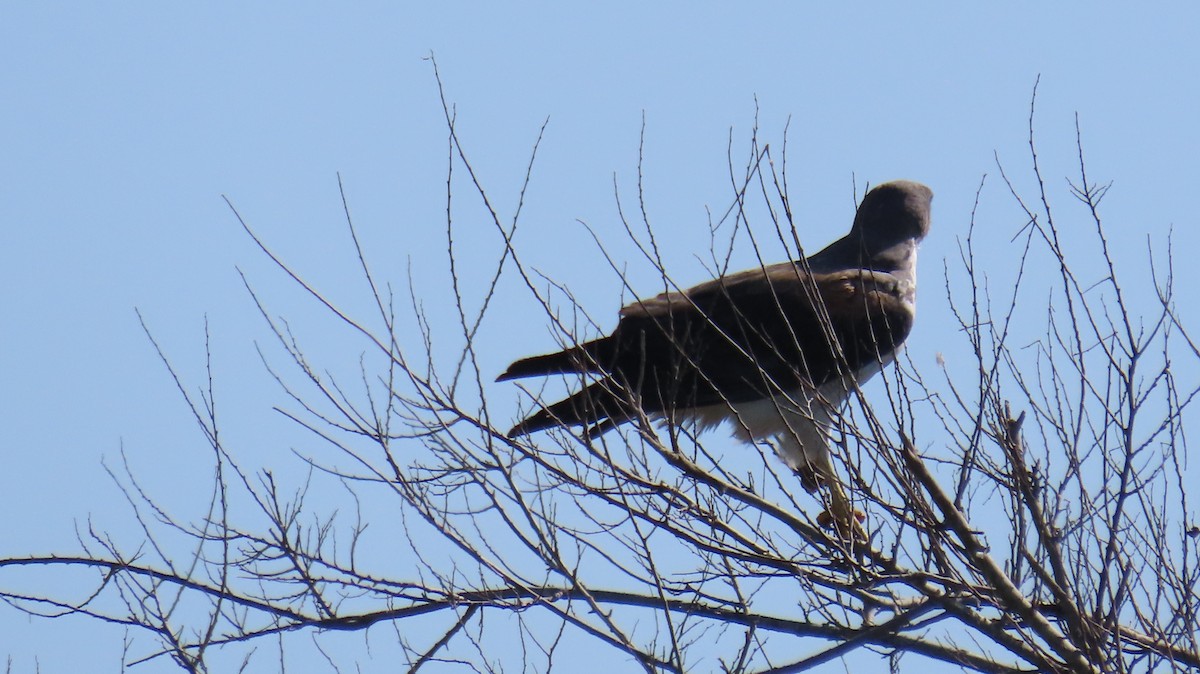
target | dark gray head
x=891, y=213
x=891, y=220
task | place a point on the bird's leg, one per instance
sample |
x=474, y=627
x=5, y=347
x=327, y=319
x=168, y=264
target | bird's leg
x=840, y=514
x=807, y=450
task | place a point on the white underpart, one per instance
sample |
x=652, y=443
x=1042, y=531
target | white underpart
x=798, y=423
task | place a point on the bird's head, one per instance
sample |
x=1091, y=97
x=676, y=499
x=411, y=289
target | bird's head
x=892, y=213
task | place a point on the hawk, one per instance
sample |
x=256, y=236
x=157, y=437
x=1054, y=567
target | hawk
x=775, y=349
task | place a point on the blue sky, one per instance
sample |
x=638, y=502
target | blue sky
x=123, y=125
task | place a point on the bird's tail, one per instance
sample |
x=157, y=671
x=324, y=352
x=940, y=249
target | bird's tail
x=598, y=405
x=581, y=358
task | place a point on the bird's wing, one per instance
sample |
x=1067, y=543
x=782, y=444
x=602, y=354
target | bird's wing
x=731, y=288
x=758, y=333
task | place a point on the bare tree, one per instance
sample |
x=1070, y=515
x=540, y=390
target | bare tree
x=1027, y=511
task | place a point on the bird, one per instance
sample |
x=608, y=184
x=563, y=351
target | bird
x=774, y=349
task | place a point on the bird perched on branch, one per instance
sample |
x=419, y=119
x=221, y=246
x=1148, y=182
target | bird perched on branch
x=775, y=350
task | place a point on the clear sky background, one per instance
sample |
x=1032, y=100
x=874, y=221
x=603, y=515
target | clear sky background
x=123, y=124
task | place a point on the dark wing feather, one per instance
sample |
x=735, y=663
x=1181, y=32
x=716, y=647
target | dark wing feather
x=582, y=358
x=597, y=402
x=756, y=333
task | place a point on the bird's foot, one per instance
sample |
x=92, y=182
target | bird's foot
x=847, y=526
x=825, y=519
